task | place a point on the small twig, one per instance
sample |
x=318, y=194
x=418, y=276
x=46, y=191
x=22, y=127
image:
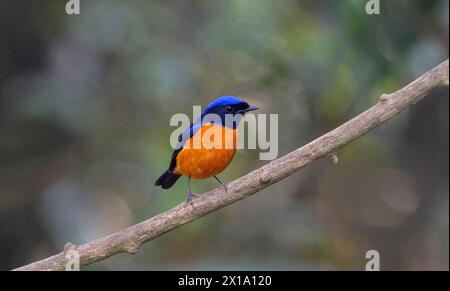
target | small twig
x=334, y=157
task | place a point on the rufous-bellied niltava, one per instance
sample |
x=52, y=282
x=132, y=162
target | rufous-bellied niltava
x=204, y=159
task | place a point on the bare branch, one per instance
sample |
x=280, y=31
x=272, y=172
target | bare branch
x=129, y=240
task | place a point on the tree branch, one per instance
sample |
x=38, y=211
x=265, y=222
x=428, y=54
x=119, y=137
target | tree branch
x=130, y=239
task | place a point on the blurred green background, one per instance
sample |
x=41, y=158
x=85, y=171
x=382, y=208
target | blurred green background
x=85, y=103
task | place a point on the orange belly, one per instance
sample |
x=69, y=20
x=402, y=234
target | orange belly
x=207, y=153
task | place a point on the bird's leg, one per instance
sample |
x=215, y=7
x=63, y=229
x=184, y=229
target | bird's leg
x=221, y=183
x=189, y=193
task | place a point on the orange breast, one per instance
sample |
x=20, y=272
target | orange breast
x=207, y=153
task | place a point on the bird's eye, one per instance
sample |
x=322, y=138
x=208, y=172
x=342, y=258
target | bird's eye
x=229, y=108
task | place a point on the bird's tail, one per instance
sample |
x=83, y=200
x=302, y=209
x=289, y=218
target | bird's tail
x=167, y=179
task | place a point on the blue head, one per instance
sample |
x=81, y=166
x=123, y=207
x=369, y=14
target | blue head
x=228, y=105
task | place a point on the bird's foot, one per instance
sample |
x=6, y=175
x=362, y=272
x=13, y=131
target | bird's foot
x=221, y=183
x=190, y=197
x=225, y=187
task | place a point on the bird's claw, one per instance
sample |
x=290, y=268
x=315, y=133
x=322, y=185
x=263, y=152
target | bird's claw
x=225, y=187
x=221, y=183
x=190, y=197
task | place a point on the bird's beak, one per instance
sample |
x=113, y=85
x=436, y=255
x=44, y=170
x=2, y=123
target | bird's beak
x=250, y=108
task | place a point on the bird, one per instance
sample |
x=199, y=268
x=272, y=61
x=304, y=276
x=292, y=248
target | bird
x=213, y=154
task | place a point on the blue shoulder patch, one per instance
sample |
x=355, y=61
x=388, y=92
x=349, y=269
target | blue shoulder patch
x=187, y=134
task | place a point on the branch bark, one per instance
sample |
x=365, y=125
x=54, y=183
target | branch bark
x=129, y=240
